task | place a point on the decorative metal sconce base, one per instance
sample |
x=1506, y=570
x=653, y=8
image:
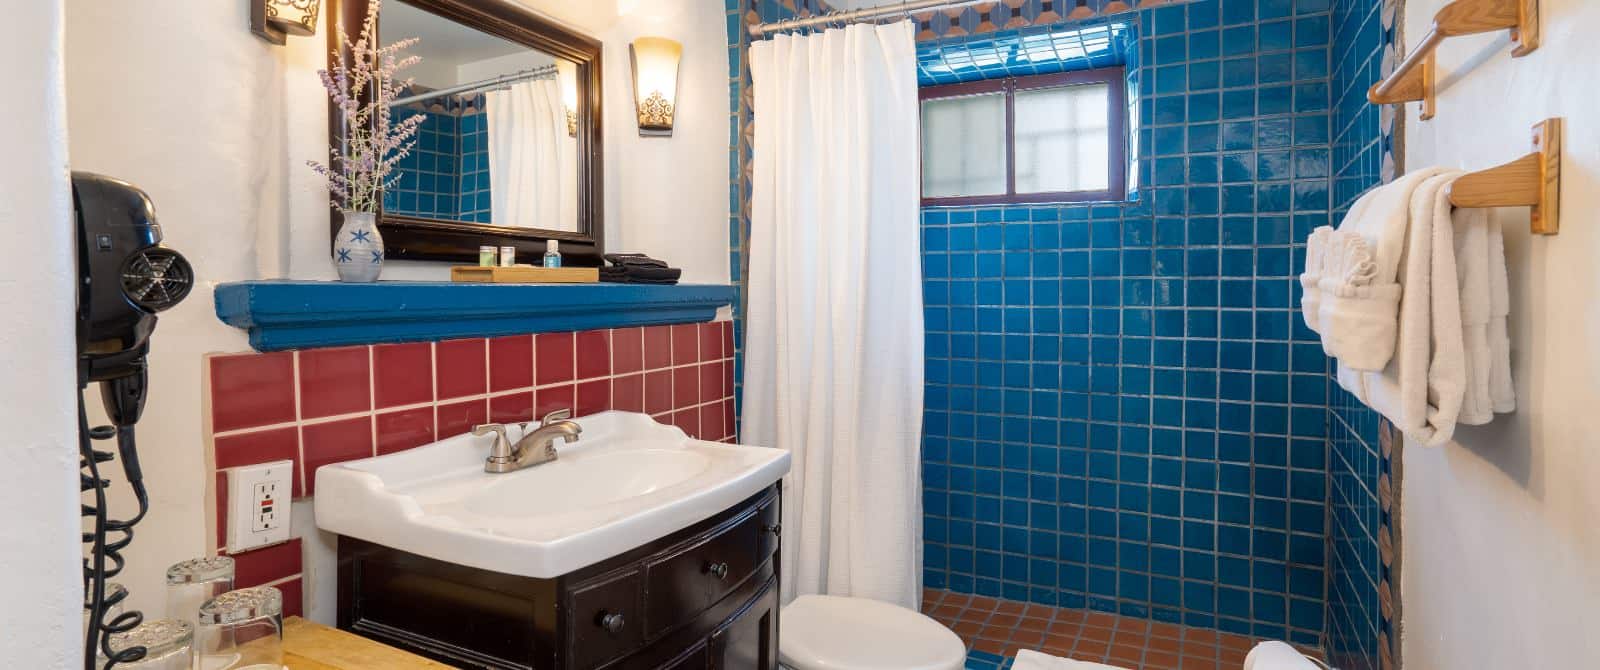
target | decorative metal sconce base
x=275, y=20
x=655, y=116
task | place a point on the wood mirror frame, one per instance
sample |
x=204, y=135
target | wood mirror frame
x=421, y=238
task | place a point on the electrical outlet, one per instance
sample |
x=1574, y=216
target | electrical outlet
x=258, y=505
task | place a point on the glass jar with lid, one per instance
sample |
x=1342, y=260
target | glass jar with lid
x=167, y=645
x=242, y=630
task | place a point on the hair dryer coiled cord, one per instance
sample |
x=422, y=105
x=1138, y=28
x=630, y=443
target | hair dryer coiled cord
x=107, y=539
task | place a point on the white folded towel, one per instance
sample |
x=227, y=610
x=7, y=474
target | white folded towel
x=1422, y=387
x=1311, y=299
x=1276, y=655
x=1471, y=228
x=1028, y=659
x=1357, y=300
x=1502, y=393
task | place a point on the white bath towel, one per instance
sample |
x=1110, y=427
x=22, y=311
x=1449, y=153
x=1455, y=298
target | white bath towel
x=1311, y=297
x=1274, y=655
x=1358, y=293
x=1422, y=387
x=1502, y=393
x=1472, y=280
x=1028, y=659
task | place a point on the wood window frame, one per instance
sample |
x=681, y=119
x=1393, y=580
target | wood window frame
x=1117, y=116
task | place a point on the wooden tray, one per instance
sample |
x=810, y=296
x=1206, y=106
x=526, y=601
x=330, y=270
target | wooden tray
x=523, y=275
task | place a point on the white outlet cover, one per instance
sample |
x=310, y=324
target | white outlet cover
x=258, y=505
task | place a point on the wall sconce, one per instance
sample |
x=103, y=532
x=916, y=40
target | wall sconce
x=273, y=20
x=655, y=83
x=567, y=77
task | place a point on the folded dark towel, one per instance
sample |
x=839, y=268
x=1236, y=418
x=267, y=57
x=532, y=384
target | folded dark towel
x=639, y=275
x=635, y=260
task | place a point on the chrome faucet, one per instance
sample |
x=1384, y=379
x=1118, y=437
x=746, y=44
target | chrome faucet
x=536, y=446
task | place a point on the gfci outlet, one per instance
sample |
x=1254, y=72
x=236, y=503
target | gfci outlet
x=258, y=505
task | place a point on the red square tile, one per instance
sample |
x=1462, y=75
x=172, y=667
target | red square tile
x=685, y=387
x=727, y=378
x=249, y=390
x=657, y=391
x=265, y=446
x=711, y=421
x=685, y=343
x=222, y=507
x=461, y=368
x=594, y=353
x=402, y=430
x=627, y=393
x=457, y=418
x=688, y=420
x=259, y=566
x=554, y=398
x=334, y=381
x=553, y=353
x=511, y=408
x=402, y=374
x=510, y=362
x=293, y=597
x=711, y=381
x=627, y=350
x=657, y=347
x=728, y=424
x=727, y=339
x=711, y=341
x=335, y=442
x=593, y=397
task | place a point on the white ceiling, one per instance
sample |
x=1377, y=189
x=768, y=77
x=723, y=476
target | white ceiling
x=442, y=41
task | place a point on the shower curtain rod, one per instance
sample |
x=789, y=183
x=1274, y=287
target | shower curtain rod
x=490, y=83
x=903, y=9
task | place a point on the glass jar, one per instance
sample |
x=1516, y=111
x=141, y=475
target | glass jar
x=242, y=630
x=192, y=583
x=115, y=594
x=166, y=642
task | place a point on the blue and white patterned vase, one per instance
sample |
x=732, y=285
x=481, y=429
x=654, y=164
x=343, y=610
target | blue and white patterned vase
x=358, y=248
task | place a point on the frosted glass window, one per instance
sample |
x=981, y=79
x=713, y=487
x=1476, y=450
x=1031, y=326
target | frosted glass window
x=1062, y=139
x=964, y=146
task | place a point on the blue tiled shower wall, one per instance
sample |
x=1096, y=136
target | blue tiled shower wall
x=446, y=175
x=1363, y=156
x=1124, y=411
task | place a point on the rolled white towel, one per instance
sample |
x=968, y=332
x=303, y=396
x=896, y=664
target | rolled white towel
x=1311, y=298
x=1276, y=655
x=1028, y=659
x=1359, y=315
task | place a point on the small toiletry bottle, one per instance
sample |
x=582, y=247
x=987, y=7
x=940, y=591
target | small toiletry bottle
x=486, y=256
x=552, y=253
x=508, y=257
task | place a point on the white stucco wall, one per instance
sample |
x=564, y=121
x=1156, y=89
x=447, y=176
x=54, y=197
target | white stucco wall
x=1502, y=527
x=216, y=125
x=40, y=587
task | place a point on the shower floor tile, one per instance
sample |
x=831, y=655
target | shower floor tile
x=994, y=630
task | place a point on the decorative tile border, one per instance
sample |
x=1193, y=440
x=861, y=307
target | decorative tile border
x=317, y=407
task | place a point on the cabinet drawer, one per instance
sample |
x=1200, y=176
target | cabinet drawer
x=685, y=580
x=606, y=620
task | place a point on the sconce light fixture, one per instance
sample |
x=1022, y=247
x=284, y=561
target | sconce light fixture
x=567, y=77
x=273, y=20
x=655, y=83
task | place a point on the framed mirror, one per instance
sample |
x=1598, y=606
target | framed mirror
x=509, y=152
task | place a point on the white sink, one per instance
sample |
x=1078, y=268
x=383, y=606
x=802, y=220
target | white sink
x=628, y=481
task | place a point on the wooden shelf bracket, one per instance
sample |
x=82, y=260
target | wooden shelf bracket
x=1413, y=79
x=1531, y=181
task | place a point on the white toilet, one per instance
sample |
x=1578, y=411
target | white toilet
x=836, y=633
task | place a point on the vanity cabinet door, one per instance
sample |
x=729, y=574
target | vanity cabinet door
x=685, y=581
x=605, y=620
x=749, y=640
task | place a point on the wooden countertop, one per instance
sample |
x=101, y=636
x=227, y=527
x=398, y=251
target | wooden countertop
x=313, y=646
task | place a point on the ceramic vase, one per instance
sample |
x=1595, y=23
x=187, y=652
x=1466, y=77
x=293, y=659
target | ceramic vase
x=358, y=248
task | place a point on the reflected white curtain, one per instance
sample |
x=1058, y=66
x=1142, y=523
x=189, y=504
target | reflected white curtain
x=834, y=365
x=532, y=161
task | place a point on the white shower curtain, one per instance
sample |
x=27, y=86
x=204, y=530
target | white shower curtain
x=833, y=367
x=532, y=161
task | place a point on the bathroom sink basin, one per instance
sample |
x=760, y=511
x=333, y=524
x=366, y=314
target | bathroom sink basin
x=628, y=481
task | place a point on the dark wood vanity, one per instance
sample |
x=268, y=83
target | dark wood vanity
x=705, y=597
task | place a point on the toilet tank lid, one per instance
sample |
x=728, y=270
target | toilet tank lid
x=841, y=633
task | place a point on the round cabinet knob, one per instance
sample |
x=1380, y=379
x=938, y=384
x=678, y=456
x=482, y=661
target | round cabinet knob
x=718, y=570
x=775, y=529
x=612, y=622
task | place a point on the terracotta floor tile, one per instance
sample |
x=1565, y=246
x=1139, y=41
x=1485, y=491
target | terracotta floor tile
x=1160, y=629
x=1198, y=649
x=1197, y=663
x=1160, y=660
x=1102, y=619
x=983, y=603
x=1128, y=638
x=1069, y=616
x=1133, y=625
x=1095, y=633
x=1200, y=635
x=967, y=629
x=1000, y=633
x=1127, y=653
x=1007, y=620
x=1090, y=647
x=1164, y=644
x=945, y=610
x=989, y=646
x=1010, y=607
x=1056, y=646
x=1033, y=624
x=1232, y=656
x=1031, y=637
x=1039, y=611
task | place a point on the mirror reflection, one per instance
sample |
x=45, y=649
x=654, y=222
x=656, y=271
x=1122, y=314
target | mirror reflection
x=499, y=144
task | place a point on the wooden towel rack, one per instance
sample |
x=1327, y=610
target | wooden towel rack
x=1531, y=181
x=1413, y=80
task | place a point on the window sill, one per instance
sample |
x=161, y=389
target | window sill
x=287, y=314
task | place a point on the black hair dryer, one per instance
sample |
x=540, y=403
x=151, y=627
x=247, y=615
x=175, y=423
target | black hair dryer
x=125, y=277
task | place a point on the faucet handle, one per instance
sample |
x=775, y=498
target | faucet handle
x=558, y=415
x=502, y=447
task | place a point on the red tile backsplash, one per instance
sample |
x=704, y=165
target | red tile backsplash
x=657, y=391
x=334, y=381
x=553, y=356
x=594, y=353
x=267, y=564
x=263, y=446
x=554, y=398
x=627, y=393
x=511, y=408
x=685, y=386
x=402, y=430
x=457, y=418
x=249, y=390
x=685, y=343
x=593, y=397
x=710, y=341
x=657, y=347
x=510, y=362
x=461, y=368
x=711, y=381
x=334, y=442
x=402, y=374
x=627, y=350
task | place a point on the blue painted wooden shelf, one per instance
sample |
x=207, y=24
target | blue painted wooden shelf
x=287, y=314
